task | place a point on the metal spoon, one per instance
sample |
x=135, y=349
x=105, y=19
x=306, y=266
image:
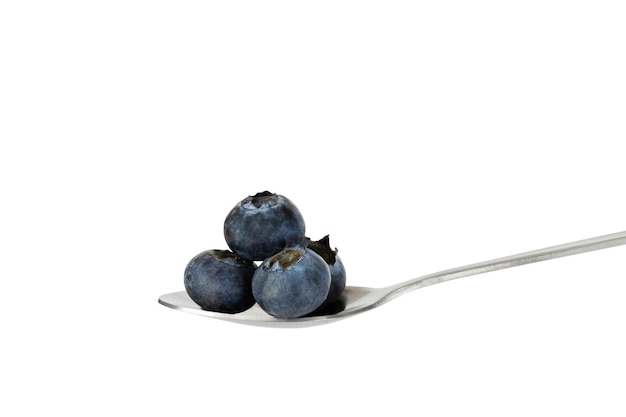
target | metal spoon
x=356, y=300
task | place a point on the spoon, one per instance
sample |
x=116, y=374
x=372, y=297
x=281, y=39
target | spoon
x=356, y=300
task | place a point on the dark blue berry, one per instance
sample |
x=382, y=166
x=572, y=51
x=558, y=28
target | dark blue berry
x=292, y=283
x=262, y=225
x=218, y=280
x=337, y=270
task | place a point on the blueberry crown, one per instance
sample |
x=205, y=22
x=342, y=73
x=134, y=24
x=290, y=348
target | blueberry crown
x=322, y=248
x=262, y=198
x=286, y=258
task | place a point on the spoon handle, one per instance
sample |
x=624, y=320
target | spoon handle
x=552, y=252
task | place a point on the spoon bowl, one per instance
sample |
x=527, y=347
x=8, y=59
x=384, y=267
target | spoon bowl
x=356, y=300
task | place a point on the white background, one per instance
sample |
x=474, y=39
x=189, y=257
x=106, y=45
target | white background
x=419, y=135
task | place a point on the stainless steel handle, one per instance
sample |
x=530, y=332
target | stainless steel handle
x=552, y=252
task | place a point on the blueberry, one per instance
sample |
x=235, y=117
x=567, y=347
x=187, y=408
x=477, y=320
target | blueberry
x=218, y=280
x=262, y=225
x=337, y=270
x=292, y=283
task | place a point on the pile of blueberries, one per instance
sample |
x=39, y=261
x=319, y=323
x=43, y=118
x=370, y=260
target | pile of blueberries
x=296, y=277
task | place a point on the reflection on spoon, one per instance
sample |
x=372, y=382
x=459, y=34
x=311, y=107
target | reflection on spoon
x=357, y=300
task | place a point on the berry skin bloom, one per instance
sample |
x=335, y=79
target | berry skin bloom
x=292, y=283
x=218, y=280
x=261, y=225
